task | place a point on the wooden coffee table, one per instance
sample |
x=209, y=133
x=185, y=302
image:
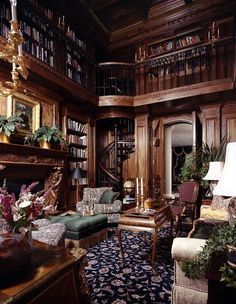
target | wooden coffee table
x=136, y=221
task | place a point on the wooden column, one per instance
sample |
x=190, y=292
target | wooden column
x=211, y=125
x=142, y=156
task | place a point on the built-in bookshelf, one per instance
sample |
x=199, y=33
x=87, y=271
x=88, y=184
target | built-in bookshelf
x=77, y=148
x=5, y=14
x=51, y=39
x=176, y=43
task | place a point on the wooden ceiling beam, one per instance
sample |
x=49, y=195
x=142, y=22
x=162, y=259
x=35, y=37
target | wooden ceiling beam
x=97, y=5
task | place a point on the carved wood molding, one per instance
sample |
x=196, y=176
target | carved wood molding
x=186, y=91
x=12, y=154
x=112, y=100
x=158, y=24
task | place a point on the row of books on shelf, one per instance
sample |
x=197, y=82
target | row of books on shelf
x=75, y=139
x=75, y=125
x=5, y=12
x=72, y=35
x=27, y=14
x=77, y=152
x=74, y=75
x=45, y=11
x=161, y=48
x=82, y=181
x=187, y=40
x=73, y=62
x=60, y=23
x=39, y=52
x=37, y=36
x=167, y=46
x=82, y=165
x=4, y=30
x=194, y=65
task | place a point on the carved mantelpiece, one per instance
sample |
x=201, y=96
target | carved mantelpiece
x=21, y=162
x=13, y=154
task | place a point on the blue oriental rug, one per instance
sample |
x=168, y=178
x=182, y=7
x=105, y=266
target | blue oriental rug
x=136, y=283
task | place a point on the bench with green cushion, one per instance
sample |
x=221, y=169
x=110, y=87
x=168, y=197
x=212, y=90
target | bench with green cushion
x=83, y=231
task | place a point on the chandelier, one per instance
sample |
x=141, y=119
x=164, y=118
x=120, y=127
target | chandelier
x=12, y=53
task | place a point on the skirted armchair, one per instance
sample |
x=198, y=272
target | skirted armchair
x=185, y=290
x=102, y=201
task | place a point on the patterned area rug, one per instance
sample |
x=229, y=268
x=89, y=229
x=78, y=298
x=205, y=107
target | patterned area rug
x=135, y=283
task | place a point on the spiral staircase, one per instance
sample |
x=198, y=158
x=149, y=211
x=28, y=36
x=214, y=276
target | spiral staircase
x=111, y=158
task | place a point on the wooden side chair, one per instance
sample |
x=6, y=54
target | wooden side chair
x=185, y=213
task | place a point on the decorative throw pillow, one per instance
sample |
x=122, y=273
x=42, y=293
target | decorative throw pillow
x=108, y=197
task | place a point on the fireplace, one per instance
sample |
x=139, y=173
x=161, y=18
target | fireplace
x=21, y=164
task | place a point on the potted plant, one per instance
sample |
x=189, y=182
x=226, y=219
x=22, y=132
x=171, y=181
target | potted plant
x=8, y=126
x=49, y=136
x=215, y=250
x=197, y=163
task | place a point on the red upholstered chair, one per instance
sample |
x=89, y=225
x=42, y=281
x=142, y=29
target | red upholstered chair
x=185, y=213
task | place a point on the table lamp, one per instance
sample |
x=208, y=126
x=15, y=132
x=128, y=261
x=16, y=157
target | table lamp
x=227, y=182
x=77, y=174
x=214, y=173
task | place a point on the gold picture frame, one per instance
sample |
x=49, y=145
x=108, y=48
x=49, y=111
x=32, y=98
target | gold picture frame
x=28, y=109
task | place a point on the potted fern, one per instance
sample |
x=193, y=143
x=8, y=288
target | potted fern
x=8, y=126
x=49, y=137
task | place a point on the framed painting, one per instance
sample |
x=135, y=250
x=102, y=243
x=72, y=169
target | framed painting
x=28, y=109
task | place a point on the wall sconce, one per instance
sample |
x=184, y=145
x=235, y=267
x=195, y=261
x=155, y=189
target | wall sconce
x=140, y=54
x=12, y=53
x=214, y=32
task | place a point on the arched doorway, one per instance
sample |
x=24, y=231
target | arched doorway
x=178, y=144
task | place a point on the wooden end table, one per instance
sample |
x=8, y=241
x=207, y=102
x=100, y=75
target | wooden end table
x=136, y=221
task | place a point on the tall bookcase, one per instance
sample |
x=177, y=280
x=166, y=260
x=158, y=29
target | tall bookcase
x=76, y=132
x=52, y=41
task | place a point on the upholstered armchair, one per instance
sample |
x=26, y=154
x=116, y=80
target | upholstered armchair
x=103, y=201
x=45, y=231
x=211, y=217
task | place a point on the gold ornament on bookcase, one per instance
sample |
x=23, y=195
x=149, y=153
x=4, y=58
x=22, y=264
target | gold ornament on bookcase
x=12, y=53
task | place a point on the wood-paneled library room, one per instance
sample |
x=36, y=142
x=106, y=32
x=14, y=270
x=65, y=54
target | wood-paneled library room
x=118, y=151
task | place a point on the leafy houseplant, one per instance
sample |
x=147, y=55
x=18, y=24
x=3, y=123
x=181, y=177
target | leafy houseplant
x=8, y=125
x=197, y=163
x=216, y=246
x=50, y=135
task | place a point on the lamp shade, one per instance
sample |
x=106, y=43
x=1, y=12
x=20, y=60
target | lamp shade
x=76, y=173
x=214, y=171
x=227, y=183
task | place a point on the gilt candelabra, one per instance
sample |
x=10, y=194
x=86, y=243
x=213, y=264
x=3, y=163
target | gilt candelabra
x=12, y=53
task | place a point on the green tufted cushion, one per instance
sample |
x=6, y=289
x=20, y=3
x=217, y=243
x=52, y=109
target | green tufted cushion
x=108, y=197
x=79, y=227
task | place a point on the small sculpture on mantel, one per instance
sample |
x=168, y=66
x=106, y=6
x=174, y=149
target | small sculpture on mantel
x=53, y=186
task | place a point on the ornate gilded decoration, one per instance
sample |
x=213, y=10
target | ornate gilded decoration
x=13, y=53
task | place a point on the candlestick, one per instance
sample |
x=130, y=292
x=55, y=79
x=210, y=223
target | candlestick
x=137, y=190
x=20, y=51
x=13, y=10
x=141, y=191
x=137, y=200
x=213, y=25
x=141, y=202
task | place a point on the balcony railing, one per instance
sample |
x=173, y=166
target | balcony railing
x=115, y=78
x=206, y=62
